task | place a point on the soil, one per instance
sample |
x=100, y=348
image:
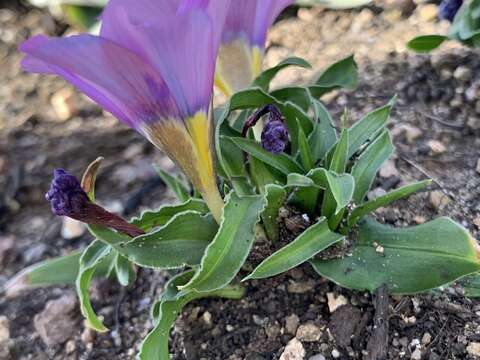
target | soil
x=437, y=104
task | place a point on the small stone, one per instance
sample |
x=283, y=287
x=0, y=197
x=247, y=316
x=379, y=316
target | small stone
x=4, y=329
x=57, y=322
x=300, y=287
x=476, y=222
x=416, y=355
x=380, y=249
x=317, y=357
x=419, y=219
x=293, y=351
x=309, y=332
x=427, y=12
x=63, y=103
x=34, y=253
x=426, y=339
x=335, y=353
x=334, y=302
x=291, y=324
x=70, y=346
x=229, y=328
x=478, y=166
x=72, y=229
x=474, y=349
x=388, y=169
x=273, y=330
x=207, y=319
x=375, y=193
x=412, y=133
x=88, y=335
x=438, y=200
x=436, y=147
x=462, y=73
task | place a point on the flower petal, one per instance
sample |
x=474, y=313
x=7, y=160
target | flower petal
x=111, y=75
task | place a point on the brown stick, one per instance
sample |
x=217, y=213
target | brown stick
x=377, y=346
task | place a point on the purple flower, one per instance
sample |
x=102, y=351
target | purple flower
x=275, y=136
x=152, y=67
x=67, y=198
x=449, y=8
x=243, y=40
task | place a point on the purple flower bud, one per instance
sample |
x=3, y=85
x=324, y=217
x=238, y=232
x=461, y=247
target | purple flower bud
x=67, y=198
x=449, y=8
x=274, y=136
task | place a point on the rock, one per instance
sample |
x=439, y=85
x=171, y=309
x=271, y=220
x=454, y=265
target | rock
x=426, y=339
x=476, y=222
x=412, y=133
x=6, y=250
x=4, y=329
x=427, y=12
x=57, y=322
x=88, y=335
x=474, y=349
x=70, y=346
x=300, y=287
x=477, y=106
x=273, y=330
x=416, y=355
x=34, y=253
x=63, y=103
x=388, y=169
x=72, y=229
x=335, y=353
x=293, y=351
x=207, y=319
x=462, y=73
x=419, y=219
x=291, y=324
x=473, y=122
x=309, y=332
x=229, y=328
x=438, y=200
x=436, y=147
x=375, y=193
x=317, y=357
x=334, y=302
x=343, y=324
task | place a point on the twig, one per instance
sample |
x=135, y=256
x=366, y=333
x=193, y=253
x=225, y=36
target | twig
x=377, y=346
x=439, y=120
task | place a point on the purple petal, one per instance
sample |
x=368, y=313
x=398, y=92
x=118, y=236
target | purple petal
x=179, y=39
x=111, y=75
x=251, y=19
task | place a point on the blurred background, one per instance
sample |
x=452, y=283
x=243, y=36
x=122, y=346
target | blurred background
x=45, y=123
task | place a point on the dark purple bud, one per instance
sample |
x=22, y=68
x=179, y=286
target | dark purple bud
x=275, y=136
x=67, y=198
x=449, y=8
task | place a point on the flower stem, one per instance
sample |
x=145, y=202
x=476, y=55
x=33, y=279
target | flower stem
x=214, y=202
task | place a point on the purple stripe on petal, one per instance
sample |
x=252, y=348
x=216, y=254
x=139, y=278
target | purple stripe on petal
x=111, y=75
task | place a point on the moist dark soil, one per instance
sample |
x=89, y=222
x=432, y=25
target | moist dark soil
x=435, y=126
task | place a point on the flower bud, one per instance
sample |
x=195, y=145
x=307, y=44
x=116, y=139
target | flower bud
x=449, y=8
x=274, y=136
x=67, y=198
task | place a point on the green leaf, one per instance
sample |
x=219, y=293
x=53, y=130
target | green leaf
x=233, y=159
x=93, y=255
x=324, y=135
x=251, y=99
x=149, y=220
x=471, y=285
x=263, y=174
x=166, y=310
x=179, y=242
x=298, y=95
x=339, y=160
x=368, y=163
x=295, y=116
x=294, y=180
x=124, y=270
x=226, y=254
x=276, y=197
x=316, y=238
x=343, y=73
x=426, y=43
x=305, y=196
x=264, y=79
x=174, y=184
x=305, y=152
x=384, y=200
x=281, y=162
x=407, y=260
x=368, y=127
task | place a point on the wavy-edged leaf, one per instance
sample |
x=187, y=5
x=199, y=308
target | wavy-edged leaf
x=179, y=242
x=323, y=136
x=92, y=256
x=372, y=205
x=251, y=99
x=264, y=79
x=306, y=192
x=305, y=151
x=263, y=174
x=166, y=310
x=343, y=73
x=368, y=127
x=298, y=95
x=471, y=285
x=367, y=165
x=124, y=270
x=149, y=219
x=275, y=196
x=316, y=238
x=339, y=159
x=229, y=249
x=281, y=162
x=426, y=43
x=175, y=184
x=406, y=260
